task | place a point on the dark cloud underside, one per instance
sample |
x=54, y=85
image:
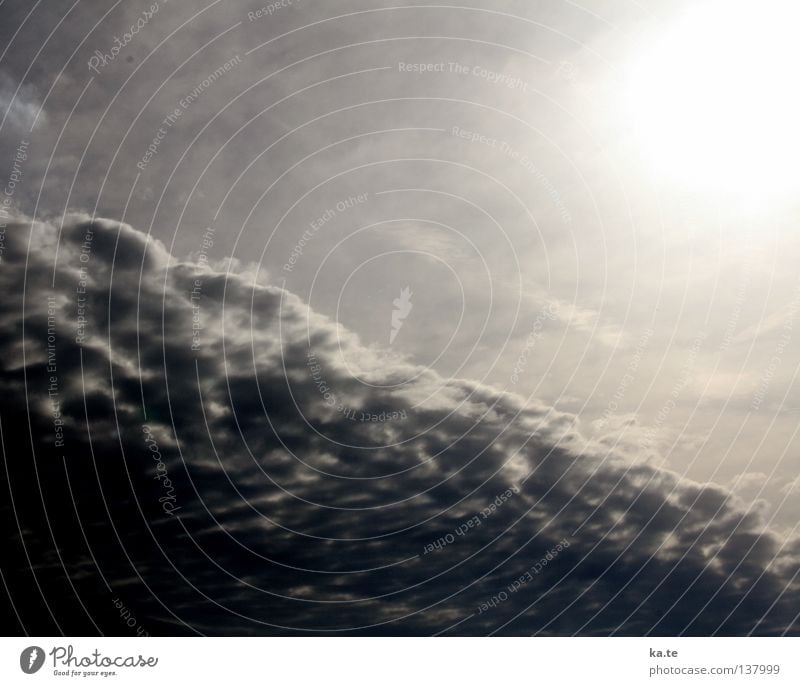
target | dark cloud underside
x=291, y=517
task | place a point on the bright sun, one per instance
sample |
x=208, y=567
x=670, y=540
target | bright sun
x=715, y=101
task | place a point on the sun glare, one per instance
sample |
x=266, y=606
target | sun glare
x=715, y=100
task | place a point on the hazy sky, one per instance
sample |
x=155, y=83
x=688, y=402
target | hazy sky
x=601, y=295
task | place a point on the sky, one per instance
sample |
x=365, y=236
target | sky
x=457, y=320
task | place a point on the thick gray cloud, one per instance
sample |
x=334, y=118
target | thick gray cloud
x=275, y=508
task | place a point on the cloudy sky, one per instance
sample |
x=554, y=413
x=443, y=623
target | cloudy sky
x=359, y=318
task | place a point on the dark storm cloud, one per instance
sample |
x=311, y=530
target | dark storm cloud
x=213, y=474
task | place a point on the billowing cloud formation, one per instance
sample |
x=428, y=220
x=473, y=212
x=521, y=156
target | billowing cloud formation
x=188, y=450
